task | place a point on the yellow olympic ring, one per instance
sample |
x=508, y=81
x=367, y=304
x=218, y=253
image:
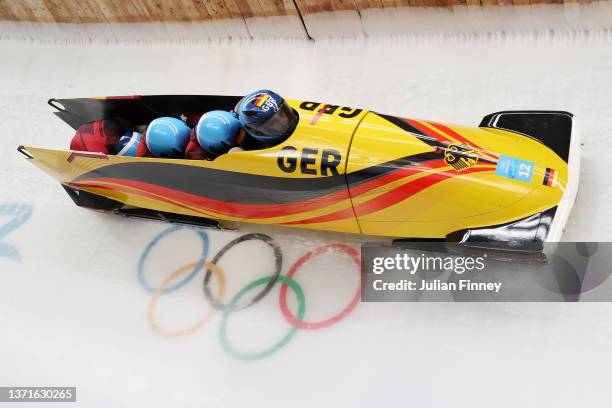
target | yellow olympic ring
x=219, y=274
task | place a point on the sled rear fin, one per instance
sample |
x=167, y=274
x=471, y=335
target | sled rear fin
x=551, y=128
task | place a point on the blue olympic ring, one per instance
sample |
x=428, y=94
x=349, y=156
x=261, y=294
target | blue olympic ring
x=21, y=213
x=203, y=235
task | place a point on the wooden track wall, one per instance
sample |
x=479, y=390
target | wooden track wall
x=114, y=11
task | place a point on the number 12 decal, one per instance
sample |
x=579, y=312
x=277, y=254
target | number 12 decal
x=513, y=168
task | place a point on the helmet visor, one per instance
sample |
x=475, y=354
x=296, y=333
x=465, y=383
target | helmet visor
x=279, y=124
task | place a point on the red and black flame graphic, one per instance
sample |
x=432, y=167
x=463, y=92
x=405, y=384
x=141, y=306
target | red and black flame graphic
x=256, y=197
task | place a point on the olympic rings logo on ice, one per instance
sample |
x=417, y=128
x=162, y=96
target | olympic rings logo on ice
x=189, y=271
x=20, y=213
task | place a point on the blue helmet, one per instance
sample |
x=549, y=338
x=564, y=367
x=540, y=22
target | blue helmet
x=127, y=144
x=167, y=137
x=266, y=116
x=218, y=131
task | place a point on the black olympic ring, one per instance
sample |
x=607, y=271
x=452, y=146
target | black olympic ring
x=278, y=255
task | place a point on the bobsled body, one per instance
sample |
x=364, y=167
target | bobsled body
x=512, y=179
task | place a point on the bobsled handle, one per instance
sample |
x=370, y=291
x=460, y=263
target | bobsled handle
x=55, y=104
x=21, y=149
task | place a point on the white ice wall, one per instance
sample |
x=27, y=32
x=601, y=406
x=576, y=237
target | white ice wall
x=73, y=312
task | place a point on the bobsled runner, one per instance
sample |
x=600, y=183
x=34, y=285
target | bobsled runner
x=508, y=183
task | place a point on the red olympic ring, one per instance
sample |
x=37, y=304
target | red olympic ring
x=352, y=252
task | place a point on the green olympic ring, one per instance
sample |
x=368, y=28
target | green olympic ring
x=282, y=342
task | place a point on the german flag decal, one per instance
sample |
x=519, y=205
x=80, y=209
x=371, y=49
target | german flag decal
x=550, y=177
x=261, y=99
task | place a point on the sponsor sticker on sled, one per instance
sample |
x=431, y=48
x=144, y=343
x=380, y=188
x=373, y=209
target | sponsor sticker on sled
x=514, y=168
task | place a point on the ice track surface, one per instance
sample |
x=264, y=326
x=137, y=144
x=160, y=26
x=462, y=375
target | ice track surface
x=75, y=309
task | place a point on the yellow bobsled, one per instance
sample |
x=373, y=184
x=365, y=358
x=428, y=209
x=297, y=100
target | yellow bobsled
x=512, y=180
